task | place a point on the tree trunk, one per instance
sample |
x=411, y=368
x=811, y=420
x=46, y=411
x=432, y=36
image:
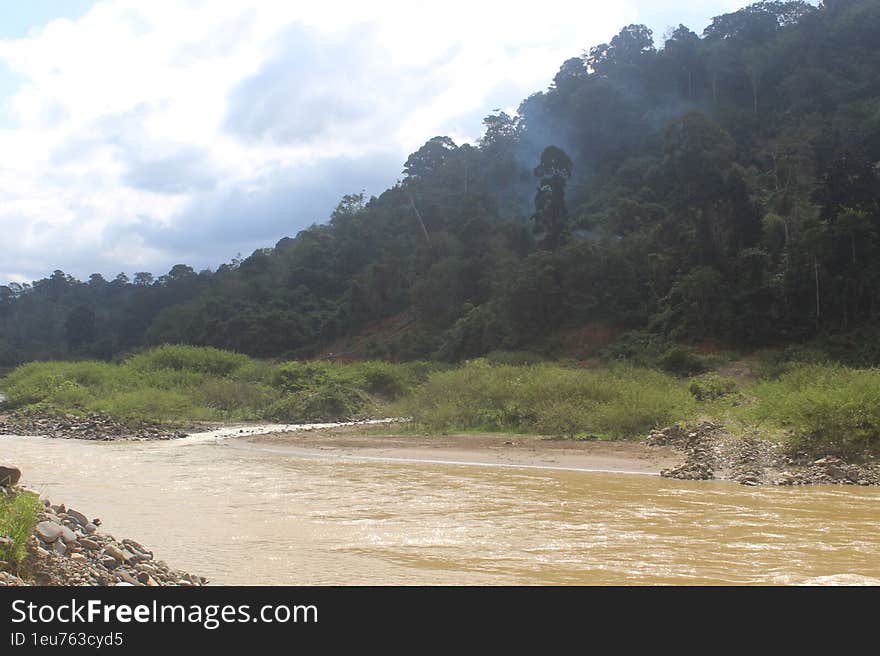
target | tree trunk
x=755, y=91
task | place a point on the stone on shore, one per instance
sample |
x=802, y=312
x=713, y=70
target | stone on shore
x=9, y=476
x=66, y=549
x=48, y=531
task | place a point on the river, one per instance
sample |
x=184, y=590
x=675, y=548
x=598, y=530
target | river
x=241, y=514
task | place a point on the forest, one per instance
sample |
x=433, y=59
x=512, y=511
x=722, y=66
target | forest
x=717, y=188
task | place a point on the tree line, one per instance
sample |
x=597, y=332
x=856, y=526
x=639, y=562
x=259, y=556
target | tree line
x=723, y=186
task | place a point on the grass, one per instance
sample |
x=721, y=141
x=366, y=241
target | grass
x=816, y=406
x=18, y=516
x=549, y=399
x=822, y=408
x=175, y=384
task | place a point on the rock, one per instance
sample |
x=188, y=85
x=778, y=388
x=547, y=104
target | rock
x=115, y=552
x=78, y=517
x=48, y=531
x=128, y=578
x=132, y=544
x=92, y=559
x=9, y=476
x=90, y=427
x=88, y=543
x=67, y=535
x=109, y=562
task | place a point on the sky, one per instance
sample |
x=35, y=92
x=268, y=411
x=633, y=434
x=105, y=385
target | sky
x=137, y=135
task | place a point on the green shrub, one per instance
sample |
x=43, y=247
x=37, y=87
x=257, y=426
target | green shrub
x=637, y=348
x=236, y=397
x=296, y=376
x=37, y=382
x=204, y=360
x=18, y=516
x=327, y=403
x=826, y=408
x=151, y=405
x=549, y=399
x=681, y=361
x=515, y=358
x=382, y=378
x=711, y=387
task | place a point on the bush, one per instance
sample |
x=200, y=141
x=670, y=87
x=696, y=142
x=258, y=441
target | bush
x=176, y=383
x=296, y=376
x=637, y=348
x=151, y=405
x=827, y=408
x=236, y=398
x=204, y=360
x=331, y=402
x=382, y=378
x=18, y=516
x=711, y=387
x=36, y=382
x=682, y=361
x=549, y=399
x=514, y=358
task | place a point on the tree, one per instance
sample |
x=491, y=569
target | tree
x=551, y=215
x=430, y=158
x=682, y=51
x=143, y=279
x=80, y=327
x=627, y=49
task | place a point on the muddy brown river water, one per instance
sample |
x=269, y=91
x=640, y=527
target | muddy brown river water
x=241, y=514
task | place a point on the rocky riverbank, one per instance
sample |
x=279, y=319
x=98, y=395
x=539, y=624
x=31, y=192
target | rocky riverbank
x=711, y=452
x=89, y=427
x=67, y=549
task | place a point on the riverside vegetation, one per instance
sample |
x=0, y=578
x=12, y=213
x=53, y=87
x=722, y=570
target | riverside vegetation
x=814, y=408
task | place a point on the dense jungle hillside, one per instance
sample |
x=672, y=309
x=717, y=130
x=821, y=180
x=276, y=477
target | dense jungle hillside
x=718, y=188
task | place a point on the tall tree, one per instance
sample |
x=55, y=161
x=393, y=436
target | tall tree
x=551, y=215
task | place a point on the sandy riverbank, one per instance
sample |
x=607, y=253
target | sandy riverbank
x=475, y=448
x=706, y=452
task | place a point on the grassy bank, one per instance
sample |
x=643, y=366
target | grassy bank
x=18, y=516
x=181, y=383
x=818, y=408
x=550, y=399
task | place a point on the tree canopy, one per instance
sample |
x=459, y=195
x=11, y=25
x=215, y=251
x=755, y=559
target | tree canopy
x=723, y=186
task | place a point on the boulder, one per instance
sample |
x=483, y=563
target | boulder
x=88, y=543
x=9, y=476
x=67, y=535
x=77, y=516
x=48, y=531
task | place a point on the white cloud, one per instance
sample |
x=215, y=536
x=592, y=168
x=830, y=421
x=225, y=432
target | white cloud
x=146, y=119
